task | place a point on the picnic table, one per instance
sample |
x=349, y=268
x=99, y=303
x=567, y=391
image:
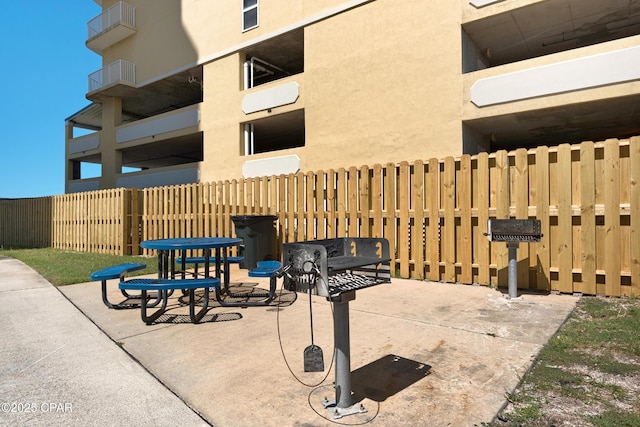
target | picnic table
x=169, y=279
x=167, y=249
x=173, y=275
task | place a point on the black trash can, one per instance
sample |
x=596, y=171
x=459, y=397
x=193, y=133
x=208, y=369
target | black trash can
x=260, y=238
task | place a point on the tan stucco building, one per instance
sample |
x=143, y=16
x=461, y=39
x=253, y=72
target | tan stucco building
x=201, y=90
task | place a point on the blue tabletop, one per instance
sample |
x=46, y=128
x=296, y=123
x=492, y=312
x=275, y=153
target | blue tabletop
x=191, y=243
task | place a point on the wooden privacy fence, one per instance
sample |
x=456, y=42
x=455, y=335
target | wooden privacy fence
x=104, y=221
x=433, y=213
x=25, y=223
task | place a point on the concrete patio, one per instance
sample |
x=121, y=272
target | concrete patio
x=422, y=353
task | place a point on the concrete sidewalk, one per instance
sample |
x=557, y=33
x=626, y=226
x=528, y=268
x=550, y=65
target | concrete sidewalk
x=422, y=354
x=58, y=368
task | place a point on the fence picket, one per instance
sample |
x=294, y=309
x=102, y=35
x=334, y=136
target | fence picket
x=341, y=182
x=612, y=216
x=311, y=207
x=465, y=242
x=543, y=255
x=500, y=188
x=377, y=201
x=588, y=218
x=364, y=204
x=634, y=213
x=433, y=231
x=417, y=234
x=521, y=198
x=481, y=243
x=449, y=226
x=390, y=213
x=403, y=223
x=564, y=243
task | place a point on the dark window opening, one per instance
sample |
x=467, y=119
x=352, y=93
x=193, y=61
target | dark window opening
x=274, y=59
x=275, y=133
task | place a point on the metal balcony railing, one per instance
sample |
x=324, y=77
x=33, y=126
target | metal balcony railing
x=118, y=71
x=119, y=13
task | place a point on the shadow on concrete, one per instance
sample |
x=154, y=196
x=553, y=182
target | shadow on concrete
x=207, y=318
x=385, y=377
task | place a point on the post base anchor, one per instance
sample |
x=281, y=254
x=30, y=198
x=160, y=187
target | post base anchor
x=337, y=413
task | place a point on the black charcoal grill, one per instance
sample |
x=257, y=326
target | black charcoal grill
x=512, y=232
x=336, y=269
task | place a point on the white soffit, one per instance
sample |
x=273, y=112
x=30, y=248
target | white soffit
x=607, y=68
x=281, y=165
x=285, y=94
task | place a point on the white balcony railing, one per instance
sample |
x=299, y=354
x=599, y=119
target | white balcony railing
x=482, y=3
x=119, y=13
x=158, y=126
x=599, y=70
x=119, y=71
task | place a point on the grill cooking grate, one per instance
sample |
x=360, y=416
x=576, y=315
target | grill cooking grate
x=514, y=238
x=345, y=282
x=513, y=230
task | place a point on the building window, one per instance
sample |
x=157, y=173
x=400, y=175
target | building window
x=249, y=14
x=274, y=133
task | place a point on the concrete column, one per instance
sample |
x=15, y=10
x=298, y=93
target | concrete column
x=110, y=156
x=70, y=166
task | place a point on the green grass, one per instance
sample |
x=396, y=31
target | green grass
x=615, y=419
x=592, y=362
x=65, y=268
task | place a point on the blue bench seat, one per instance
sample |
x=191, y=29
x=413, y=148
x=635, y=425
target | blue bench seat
x=118, y=272
x=266, y=269
x=164, y=288
x=271, y=269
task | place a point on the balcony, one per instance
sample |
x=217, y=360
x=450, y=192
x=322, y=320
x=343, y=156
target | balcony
x=176, y=123
x=188, y=173
x=538, y=82
x=590, y=93
x=272, y=97
x=113, y=25
x=120, y=72
x=82, y=144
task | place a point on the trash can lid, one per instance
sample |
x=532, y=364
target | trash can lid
x=252, y=218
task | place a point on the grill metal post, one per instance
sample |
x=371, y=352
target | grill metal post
x=513, y=269
x=343, y=354
x=343, y=404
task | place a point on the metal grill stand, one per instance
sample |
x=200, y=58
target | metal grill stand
x=343, y=404
x=513, y=269
x=340, y=267
x=512, y=232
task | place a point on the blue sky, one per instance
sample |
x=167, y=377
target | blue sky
x=45, y=65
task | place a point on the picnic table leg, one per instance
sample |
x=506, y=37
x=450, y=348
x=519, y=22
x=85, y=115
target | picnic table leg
x=105, y=298
x=163, y=296
x=183, y=263
x=196, y=317
x=124, y=304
